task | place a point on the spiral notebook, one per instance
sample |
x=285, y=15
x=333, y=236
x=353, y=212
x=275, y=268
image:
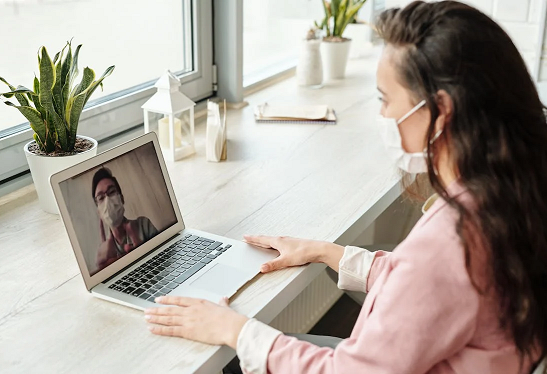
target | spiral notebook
x=277, y=113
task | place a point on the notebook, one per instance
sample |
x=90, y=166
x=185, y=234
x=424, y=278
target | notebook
x=279, y=113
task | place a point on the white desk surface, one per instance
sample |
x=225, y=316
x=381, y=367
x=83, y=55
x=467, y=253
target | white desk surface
x=326, y=182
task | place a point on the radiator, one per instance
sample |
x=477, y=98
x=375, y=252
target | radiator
x=308, y=308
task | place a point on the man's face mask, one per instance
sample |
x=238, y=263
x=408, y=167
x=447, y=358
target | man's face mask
x=111, y=210
x=389, y=129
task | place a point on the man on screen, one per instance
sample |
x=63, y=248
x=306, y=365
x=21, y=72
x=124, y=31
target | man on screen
x=124, y=234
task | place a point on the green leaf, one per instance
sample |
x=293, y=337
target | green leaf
x=47, y=80
x=35, y=119
x=51, y=135
x=7, y=84
x=334, y=6
x=19, y=90
x=39, y=142
x=22, y=98
x=328, y=14
x=36, y=99
x=36, y=86
x=57, y=86
x=71, y=77
x=87, y=80
x=56, y=57
x=351, y=13
x=19, y=96
x=81, y=99
x=340, y=17
x=98, y=82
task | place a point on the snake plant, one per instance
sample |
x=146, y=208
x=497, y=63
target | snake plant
x=54, y=105
x=342, y=12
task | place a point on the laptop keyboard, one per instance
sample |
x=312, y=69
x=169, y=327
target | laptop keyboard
x=168, y=269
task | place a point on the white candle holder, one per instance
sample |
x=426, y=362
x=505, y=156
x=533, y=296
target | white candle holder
x=176, y=128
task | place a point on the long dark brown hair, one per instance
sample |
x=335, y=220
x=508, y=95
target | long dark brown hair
x=496, y=138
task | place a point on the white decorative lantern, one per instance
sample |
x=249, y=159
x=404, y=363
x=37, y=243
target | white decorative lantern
x=176, y=128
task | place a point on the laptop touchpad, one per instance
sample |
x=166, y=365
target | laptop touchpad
x=221, y=279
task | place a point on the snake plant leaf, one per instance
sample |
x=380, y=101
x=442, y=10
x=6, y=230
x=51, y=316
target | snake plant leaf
x=72, y=74
x=75, y=111
x=76, y=97
x=39, y=142
x=58, y=87
x=65, y=71
x=35, y=119
x=19, y=90
x=36, y=84
x=19, y=95
x=325, y=23
x=25, y=97
x=56, y=57
x=36, y=97
x=47, y=80
x=341, y=17
x=334, y=6
x=98, y=82
x=77, y=101
x=51, y=135
x=351, y=13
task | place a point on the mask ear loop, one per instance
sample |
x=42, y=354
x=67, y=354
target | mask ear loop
x=412, y=111
x=435, y=137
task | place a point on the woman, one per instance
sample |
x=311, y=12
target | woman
x=466, y=291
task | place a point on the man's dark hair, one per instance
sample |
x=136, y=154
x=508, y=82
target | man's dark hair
x=104, y=173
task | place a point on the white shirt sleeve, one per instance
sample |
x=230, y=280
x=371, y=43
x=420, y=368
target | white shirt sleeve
x=253, y=346
x=256, y=338
x=354, y=267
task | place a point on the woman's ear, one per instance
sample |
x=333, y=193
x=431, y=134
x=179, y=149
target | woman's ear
x=446, y=108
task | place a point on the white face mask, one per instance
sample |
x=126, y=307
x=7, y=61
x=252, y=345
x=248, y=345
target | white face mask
x=389, y=129
x=111, y=210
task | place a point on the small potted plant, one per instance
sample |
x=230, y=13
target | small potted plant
x=335, y=47
x=53, y=109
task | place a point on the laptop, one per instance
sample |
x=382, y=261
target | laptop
x=129, y=238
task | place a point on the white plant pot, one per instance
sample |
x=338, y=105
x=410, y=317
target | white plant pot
x=43, y=167
x=335, y=58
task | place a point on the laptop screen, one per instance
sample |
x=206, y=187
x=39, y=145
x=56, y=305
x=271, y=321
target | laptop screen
x=118, y=206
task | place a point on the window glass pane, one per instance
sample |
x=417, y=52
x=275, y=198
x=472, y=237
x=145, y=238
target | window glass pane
x=142, y=38
x=272, y=32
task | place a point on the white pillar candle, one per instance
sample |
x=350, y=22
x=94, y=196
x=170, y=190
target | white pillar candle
x=164, y=136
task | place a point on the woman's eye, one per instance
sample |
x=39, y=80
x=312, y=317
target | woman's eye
x=382, y=100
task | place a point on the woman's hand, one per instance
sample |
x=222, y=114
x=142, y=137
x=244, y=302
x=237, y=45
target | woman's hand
x=196, y=319
x=294, y=252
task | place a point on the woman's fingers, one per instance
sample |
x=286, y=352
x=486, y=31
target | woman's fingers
x=259, y=240
x=275, y=264
x=170, y=320
x=177, y=300
x=166, y=330
x=164, y=311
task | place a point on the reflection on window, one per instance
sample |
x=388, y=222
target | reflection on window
x=272, y=33
x=142, y=38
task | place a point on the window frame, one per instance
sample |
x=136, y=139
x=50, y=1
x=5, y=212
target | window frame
x=105, y=118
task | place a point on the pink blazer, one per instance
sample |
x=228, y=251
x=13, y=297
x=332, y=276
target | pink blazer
x=421, y=315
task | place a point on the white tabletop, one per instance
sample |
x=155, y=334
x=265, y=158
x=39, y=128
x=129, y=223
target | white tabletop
x=325, y=182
